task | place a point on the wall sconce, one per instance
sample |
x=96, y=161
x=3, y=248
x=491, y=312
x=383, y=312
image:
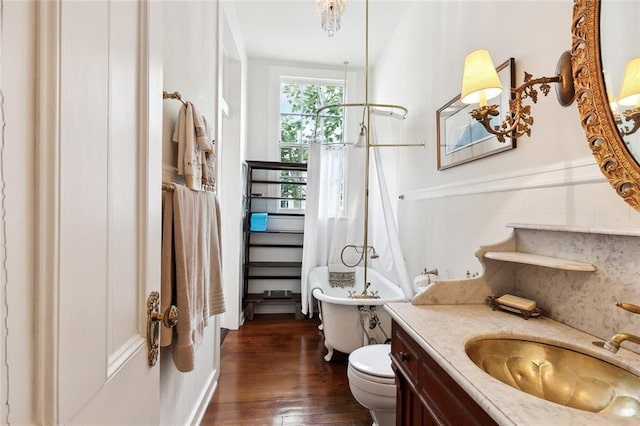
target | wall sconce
x=630, y=96
x=480, y=83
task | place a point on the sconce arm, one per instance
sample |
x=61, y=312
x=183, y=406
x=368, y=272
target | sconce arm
x=519, y=121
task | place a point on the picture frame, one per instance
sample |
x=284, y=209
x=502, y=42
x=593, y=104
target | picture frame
x=461, y=138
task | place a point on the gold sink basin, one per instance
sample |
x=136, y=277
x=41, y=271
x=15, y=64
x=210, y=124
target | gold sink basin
x=559, y=375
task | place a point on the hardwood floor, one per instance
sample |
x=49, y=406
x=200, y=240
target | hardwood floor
x=273, y=373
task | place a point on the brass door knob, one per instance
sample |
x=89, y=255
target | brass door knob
x=169, y=319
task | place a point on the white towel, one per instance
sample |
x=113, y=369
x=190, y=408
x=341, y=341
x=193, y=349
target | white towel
x=193, y=137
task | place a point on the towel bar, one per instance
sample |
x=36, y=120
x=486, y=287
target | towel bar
x=171, y=187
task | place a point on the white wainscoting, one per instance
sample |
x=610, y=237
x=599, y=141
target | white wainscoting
x=578, y=172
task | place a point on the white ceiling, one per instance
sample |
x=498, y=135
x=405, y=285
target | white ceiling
x=290, y=30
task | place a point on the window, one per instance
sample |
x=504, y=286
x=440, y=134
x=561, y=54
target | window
x=299, y=100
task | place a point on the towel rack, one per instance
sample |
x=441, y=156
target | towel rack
x=173, y=95
x=168, y=187
x=171, y=187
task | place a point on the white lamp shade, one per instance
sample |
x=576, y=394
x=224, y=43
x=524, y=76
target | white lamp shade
x=630, y=90
x=480, y=78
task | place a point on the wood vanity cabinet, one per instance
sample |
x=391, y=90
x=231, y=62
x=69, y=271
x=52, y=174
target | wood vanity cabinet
x=426, y=394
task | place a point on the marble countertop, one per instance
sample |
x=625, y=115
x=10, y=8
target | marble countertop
x=443, y=330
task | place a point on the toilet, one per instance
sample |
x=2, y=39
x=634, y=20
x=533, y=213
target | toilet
x=372, y=382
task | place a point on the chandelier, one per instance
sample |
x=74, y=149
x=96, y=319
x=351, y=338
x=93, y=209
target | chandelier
x=330, y=13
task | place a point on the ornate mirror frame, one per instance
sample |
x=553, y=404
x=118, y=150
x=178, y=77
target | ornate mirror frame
x=606, y=143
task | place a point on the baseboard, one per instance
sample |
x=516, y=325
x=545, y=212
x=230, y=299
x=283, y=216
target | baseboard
x=205, y=398
x=223, y=334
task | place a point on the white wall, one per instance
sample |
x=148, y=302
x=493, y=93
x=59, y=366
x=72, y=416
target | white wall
x=17, y=273
x=550, y=178
x=447, y=214
x=190, y=67
x=231, y=150
x=263, y=100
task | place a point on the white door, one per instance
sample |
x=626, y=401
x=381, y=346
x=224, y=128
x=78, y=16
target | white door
x=100, y=98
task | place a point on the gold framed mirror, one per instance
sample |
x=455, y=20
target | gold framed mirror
x=597, y=118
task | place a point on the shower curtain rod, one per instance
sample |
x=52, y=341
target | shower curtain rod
x=367, y=105
x=363, y=104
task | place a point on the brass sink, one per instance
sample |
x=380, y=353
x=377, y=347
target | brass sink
x=559, y=375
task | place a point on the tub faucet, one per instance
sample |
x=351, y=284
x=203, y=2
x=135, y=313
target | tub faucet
x=613, y=344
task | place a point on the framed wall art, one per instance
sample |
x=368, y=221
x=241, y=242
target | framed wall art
x=461, y=138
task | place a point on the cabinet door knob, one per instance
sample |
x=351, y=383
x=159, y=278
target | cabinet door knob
x=403, y=356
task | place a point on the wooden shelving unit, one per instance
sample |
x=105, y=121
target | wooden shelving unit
x=273, y=254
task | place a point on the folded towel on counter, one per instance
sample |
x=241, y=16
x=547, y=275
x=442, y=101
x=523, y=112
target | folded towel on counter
x=341, y=275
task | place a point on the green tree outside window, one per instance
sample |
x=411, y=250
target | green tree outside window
x=298, y=104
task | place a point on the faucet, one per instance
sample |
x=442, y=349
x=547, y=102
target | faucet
x=613, y=344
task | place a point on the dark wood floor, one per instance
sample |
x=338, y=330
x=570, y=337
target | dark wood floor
x=272, y=373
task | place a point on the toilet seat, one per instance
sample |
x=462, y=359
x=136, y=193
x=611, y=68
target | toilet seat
x=373, y=363
x=372, y=382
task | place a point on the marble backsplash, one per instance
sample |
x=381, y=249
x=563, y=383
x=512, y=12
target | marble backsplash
x=582, y=300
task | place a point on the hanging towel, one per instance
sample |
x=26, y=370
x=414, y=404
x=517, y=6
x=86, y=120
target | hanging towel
x=190, y=145
x=189, y=213
x=167, y=277
x=201, y=130
x=209, y=158
x=214, y=302
x=191, y=275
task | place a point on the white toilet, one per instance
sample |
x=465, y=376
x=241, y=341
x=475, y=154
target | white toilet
x=372, y=382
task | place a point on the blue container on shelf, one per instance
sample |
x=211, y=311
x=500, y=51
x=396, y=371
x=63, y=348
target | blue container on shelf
x=258, y=221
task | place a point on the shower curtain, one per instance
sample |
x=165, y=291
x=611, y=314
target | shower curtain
x=332, y=223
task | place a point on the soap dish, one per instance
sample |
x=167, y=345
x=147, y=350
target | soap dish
x=532, y=313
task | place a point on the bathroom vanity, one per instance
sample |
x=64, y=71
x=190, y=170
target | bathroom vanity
x=427, y=395
x=576, y=275
x=439, y=384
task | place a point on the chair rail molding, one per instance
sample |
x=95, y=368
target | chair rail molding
x=566, y=173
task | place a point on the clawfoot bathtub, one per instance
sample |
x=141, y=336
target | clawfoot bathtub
x=349, y=323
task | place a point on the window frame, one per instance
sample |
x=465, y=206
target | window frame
x=300, y=144
x=278, y=74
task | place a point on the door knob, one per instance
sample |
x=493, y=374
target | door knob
x=169, y=318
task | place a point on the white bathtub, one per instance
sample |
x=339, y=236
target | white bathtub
x=340, y=315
